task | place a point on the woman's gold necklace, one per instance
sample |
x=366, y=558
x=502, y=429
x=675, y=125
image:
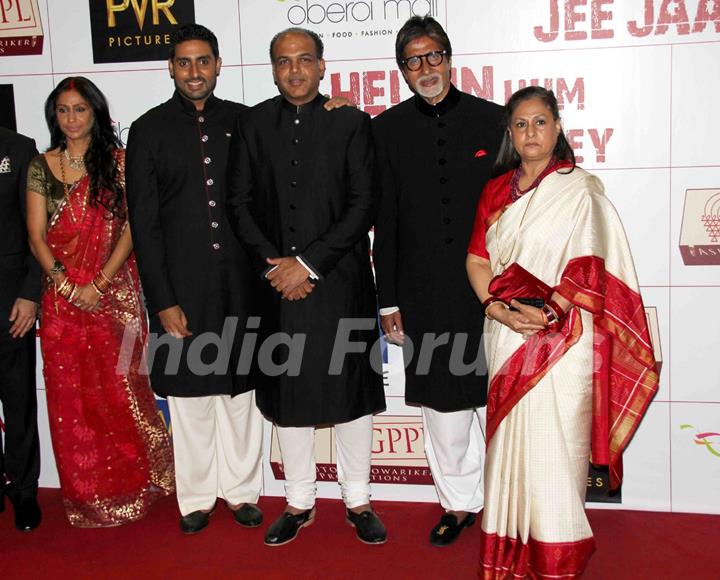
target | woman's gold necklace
x=77, y=163
x=66, y=186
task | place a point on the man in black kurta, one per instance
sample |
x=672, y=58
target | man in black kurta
x=196, y=281
x=19, y=294
x=435, y=153
x=302, y=202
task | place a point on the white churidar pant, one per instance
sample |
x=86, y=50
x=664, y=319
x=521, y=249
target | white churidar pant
x=354, y=449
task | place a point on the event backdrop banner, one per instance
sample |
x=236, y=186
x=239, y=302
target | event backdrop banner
x=637, y=82
x=136, y=30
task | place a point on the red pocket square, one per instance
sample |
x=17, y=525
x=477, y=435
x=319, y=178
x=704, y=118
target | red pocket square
x=480, y=153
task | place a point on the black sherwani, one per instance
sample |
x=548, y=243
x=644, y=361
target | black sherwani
x=301, y=184
x=433, y=163
x=186, y=252
x=20, y=277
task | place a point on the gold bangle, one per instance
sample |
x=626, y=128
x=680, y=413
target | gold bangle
x=487, y=309
x=95, y=287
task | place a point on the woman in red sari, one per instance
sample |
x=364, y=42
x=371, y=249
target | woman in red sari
x=571, y=366
x=112, y=451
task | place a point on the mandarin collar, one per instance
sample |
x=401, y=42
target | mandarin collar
x=188, y=106
x=443, y=107
x=306, y=108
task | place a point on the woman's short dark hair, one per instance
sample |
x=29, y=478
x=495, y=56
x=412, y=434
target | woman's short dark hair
x=100, y=160
x=416, y=27
x=319, y=46
x=508, y=158
x=194, y=32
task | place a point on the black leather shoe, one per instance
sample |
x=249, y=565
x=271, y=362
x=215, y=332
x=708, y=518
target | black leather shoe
x=285, y=528
x=248, y=515
x=27, y=514
x=448, y=529
x=195, y=521
x=368, y=527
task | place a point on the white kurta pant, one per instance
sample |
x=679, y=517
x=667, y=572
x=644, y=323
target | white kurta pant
x=354, y=449
x=217, y=442
x=455, y=451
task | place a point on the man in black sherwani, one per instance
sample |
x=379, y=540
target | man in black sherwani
x=435, y=153
x=301, y=199
x=20, y=278
x=196, y=282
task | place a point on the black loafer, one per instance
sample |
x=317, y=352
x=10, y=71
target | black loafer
x=195, y=521
x=248, y=515
x=27, y=514
x=285, y=529
x=448, y=529
x=368, y=527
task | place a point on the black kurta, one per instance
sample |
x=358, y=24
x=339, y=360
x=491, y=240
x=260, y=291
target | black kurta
x=301, y=184
x=433, y=163
x=187, y=254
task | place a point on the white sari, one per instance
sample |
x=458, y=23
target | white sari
x=546, y=394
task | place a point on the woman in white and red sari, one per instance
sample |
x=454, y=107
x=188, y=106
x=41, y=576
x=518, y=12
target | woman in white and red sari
x=571, y=366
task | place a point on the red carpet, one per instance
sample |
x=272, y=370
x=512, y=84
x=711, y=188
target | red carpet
x=631, y=545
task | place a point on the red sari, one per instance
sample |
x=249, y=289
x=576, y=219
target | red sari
x=112, y=450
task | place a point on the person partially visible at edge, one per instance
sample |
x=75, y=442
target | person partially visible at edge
x=435, y=153
x=111, y=448
x=19, y=298
x=196, y=280
x=301, y=199
x=571, y=366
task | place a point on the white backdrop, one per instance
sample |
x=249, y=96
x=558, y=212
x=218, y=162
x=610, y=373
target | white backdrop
x=638, y=81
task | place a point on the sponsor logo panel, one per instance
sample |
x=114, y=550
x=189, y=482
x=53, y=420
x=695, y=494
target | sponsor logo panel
x=708, y=441
x=700, y=230
x=135, y=30
x=21, y=31
x=398, y=454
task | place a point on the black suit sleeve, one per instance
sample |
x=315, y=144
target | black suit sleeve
x=143, y=199
x=385, y=242
x=241, y=189
x=357, y=218
x=31, y=285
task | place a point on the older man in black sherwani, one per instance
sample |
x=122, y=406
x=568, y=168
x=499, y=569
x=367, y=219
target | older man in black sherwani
x=20, y=278
x=196, y=281
x=435, y=153
x=301, y=199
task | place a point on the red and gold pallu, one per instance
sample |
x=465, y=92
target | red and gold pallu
x=112, y=450
x=561, y=394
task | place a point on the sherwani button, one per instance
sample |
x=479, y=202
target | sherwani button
x=210, y=181
x=215, y=224
x=216, y=246
x=207, y=160
x=211, y=203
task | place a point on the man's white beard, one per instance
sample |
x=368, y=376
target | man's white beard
x=432, y=91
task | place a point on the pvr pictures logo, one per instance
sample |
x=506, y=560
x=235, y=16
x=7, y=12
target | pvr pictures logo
x=710, y=440
x=136, y=30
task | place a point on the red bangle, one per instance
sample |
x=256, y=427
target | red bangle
x=559, y=312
